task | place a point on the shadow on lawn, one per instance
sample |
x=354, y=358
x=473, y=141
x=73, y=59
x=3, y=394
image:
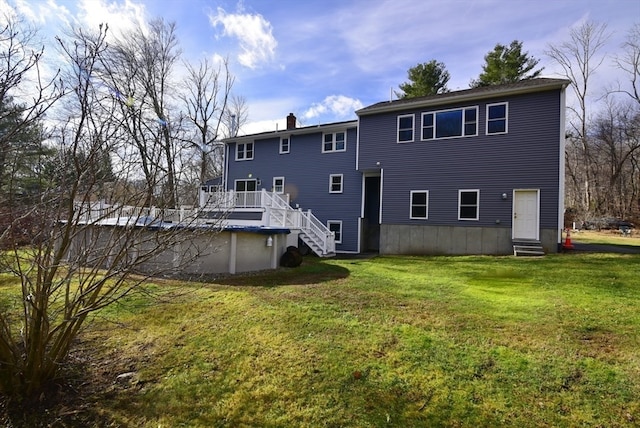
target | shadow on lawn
x=312, y=271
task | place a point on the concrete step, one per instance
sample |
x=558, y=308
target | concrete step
x=527, y=247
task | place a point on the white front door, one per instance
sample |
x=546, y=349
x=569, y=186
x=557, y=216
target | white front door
x=525, y=214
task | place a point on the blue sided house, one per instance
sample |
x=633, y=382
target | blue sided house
x=477, y=171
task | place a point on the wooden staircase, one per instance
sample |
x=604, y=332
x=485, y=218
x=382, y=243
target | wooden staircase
x=527, y=247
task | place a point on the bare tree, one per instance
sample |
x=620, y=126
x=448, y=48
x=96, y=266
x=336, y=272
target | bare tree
x=137, y=70
x=21, y=112
x=629, y=62
x=579, y=58
x=206, y=97
x=616, y=144
x=84, y=254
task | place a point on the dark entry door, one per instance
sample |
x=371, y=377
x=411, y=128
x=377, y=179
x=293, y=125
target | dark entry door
x=371, y=221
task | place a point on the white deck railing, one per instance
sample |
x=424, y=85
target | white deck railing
x=277, y=213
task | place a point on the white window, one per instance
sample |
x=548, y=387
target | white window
x=405, y=128
x=497, y=118
x=468, y=204
x=246, y=185
x=244, y=151
x=285, y=143
x=334, y=142
x=278, y=184
x=461, y=122
x=335, y=226
x=419, y=206
x=335, y=183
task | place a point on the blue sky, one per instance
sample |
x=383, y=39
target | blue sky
x=324, y=59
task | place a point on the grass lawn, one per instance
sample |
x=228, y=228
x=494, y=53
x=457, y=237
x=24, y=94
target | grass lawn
x=387, y=341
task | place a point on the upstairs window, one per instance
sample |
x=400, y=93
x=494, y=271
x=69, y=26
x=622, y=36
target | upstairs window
x=405, y=128
x=334, y=142
x=468, y=204
x=244, y=151
x=419, y=208
x=497, y=118
x=284, y=145
x=450, y=123
x=335, y=183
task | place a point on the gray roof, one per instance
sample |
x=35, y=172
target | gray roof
x=325, y=127
x=521, y=87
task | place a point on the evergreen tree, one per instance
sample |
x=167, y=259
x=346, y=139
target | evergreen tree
x=507, y=64
x=429, y=78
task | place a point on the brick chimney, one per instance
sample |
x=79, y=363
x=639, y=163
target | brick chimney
x=291, y=121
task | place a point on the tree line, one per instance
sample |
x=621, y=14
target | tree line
x=602, y=142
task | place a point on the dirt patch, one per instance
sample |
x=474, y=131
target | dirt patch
x=90, y=376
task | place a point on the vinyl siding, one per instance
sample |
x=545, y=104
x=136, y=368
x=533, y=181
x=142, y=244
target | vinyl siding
x=306, y=171
x=527, y=157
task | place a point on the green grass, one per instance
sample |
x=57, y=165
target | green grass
x=388, y=341
x=612, y=237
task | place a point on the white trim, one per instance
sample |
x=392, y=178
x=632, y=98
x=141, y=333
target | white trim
x=334, y=142
x=358, y=146
x=411, y=193
x=273, y=185
x=245, y=151
x=561, y=159
x=513, y=211
x=413, y=128
x=331, y=183
x=339, y=222
x=477, y=191
x=435, y=130
x=284, y=152
x=506, y=118
x=381, y=193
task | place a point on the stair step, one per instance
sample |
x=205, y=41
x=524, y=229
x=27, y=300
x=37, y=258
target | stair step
x=529, y=250
x=527, y=247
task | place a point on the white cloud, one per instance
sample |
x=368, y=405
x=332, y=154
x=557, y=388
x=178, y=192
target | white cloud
x=120, y=17
x=337, y=105
x=254, y=33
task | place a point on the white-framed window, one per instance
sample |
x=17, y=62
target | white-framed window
x=335, y=183
x=469, y=204
x=244, y=151
x=497, y=122
x=335, y=226
x=405, y=128
x=453, y=123
x=419, y=205
x=334, y=142
x=285, y=145
x=278, y=184
x=246, y=185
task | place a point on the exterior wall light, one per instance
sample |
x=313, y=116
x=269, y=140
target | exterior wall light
x=270, y=241
x=504, y=196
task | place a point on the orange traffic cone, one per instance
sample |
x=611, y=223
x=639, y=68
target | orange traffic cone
x=567, y=241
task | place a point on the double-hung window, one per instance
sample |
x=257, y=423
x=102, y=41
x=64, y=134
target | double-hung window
x=405, y=128
x=334, y=142
x=468, y=204
x=419, y=205
x=285, y=145
x=335, y=183
x=278, y=184
x=462, y=122
x=244, y=151
x=497, y=118
x=335, y=226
